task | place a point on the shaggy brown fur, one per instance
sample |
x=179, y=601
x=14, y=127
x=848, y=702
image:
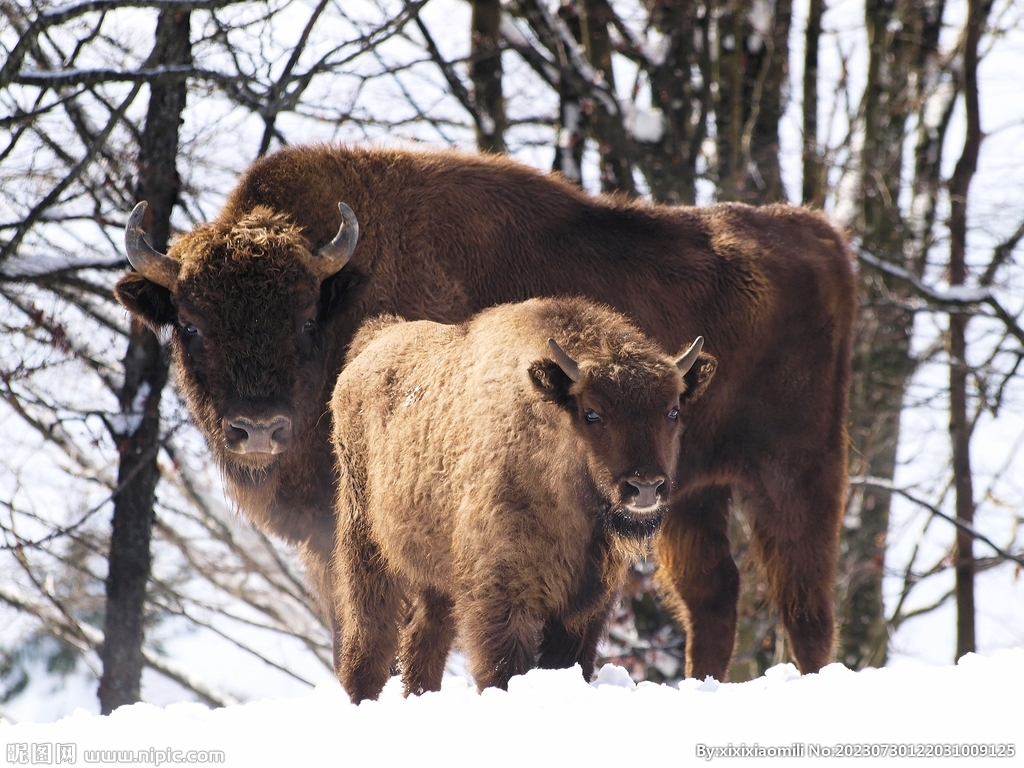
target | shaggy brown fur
x=444, y=235
x=479, y=480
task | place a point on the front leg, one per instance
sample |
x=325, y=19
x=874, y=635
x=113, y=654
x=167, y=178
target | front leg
x=564, y=644
x=369, y=608
x=316, y=553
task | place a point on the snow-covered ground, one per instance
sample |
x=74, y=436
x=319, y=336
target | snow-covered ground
x=908, y=714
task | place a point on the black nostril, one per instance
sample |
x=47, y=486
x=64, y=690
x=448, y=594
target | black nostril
x=235, y=432
x=281, y=431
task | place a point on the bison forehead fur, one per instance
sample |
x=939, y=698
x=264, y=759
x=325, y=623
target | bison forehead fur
x=475, y=474
x=443, y=235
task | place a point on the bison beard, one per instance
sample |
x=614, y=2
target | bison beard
x=445, y=235
x=501, y=492
x=630, y=525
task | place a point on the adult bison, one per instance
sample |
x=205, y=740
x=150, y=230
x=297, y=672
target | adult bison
x=502, y=473
x=264, y=302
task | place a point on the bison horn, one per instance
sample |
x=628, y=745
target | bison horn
x=147, y=261
x=335, y=255
x=689, y=357
x=569, y=366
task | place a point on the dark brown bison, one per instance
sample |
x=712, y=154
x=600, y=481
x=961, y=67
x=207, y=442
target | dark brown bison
x=263, y=310
x=499, y=475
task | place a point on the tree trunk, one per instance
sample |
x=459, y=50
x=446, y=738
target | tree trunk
x=959, y=425
x=752, y=69
x=146, y=365
x=882, y=364
x=573, y=114
x=813, y=170
x=670, y=164
x=616, y=160
x=486, y=73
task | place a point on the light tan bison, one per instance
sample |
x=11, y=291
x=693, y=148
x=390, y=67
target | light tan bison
x=499, y=475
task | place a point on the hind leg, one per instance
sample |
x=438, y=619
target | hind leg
x=425, y=642
x=796, y=535
x=700, y=580
x=369, y=608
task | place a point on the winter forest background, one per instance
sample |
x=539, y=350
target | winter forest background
x=904, y=119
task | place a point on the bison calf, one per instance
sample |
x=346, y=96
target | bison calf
x=498, y=477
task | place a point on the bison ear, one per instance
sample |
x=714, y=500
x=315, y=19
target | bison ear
x=550, y=380
x=148, y=301
x=698, y=377
x=340, y=291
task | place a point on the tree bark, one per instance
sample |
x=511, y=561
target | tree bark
x=959, y=423
x=486, y=74
x=146, y=367
x=670, y=165
x=882, y=363
x=813, y=170
x=752, y=69
x=573, y=113
x=616, y=160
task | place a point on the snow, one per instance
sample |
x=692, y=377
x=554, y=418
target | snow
x=646, y=126
x=552, y=717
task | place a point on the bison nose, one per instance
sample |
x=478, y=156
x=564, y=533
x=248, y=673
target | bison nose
x=646, y=491
x=270, y=435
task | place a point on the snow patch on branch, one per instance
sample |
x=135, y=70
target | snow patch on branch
x=954, y=294
x=646, y=126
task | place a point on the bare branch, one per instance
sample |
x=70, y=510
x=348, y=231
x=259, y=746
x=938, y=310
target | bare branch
x=888, y=485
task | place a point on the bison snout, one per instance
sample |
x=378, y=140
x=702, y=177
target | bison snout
x=271, y=435
x=645, y=492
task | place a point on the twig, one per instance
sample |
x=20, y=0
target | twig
x=886, y=485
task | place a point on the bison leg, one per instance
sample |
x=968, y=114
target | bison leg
x=369, y=609
x=796, y=534
x=425, y=642
x=317, y=558
x=561, y=647
x=700, y=580
x=501, y=637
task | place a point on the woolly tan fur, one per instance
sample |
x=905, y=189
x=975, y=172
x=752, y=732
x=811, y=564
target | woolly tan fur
x=473, y=482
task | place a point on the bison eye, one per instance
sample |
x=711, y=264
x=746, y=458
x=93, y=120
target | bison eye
x=191, y=330
x=673, y=414
x=592, y=416
x=308, y=325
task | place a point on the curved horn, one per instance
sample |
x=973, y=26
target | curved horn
x=332, y=257
x=569, y=366
x=689, y=357
x=147, y=261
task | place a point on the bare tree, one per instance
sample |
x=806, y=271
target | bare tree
x=145, y=374
x=682, y=102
